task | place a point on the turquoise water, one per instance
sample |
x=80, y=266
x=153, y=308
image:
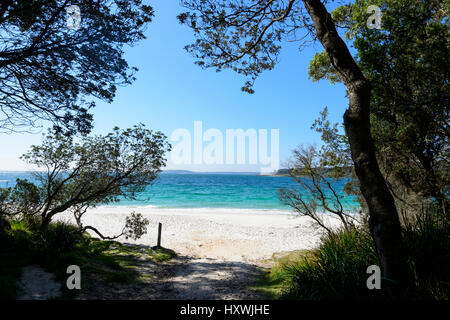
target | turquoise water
x=208, y=191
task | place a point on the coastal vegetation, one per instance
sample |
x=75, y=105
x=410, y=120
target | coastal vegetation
x=396, y=124
x=81, y=175
x=336, y=270
x=409, y=124
x=60, y=246
x=392, y=147
x=302, y=172
x=49, y=72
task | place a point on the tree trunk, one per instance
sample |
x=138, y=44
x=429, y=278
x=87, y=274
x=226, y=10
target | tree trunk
x=383, y=218
x=45, y=221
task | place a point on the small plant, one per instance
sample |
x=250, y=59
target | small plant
x=135, y=226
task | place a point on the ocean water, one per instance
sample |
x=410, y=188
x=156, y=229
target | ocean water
x=238, y=191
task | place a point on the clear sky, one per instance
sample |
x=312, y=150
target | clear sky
x=171, y=92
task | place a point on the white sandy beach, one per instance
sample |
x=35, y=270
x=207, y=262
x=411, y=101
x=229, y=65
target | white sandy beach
x=220, y=252
x=225, y=234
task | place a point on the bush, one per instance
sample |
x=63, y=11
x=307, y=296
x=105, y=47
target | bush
x=428, y=244
x=25, y=244
x=59, y=238
x=337, y=269
x=14, y=253
x=55, y=248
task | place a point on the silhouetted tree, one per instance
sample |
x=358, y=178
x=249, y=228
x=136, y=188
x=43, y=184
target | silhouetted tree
x=408, y=66
x=80, y=175
x=49, y=68
x=246, y=36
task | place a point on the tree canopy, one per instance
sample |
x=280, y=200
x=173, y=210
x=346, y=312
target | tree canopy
x=51, y=72
x=407, y=64
x=243, y=36
x=246, y=36
x=80, y=175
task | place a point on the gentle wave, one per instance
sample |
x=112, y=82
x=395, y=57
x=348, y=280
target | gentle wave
x=251, y=193
x=199, y=209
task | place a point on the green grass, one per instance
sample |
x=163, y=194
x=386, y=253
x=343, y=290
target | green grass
x=336, y=270
x=122, y=260
x=60, y=246
x=270, y=283
x=14, y=246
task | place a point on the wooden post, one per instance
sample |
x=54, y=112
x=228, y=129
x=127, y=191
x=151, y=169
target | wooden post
x=159, y=235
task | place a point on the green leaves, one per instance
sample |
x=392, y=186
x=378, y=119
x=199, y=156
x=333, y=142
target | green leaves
x=320, y=68
x=91, y=171
x=135, y=226
x=242, y=36
x=407, y=64
x=47, y=71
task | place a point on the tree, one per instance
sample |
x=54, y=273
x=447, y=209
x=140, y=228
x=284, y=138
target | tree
x=406, y=62
x=48, y=69
x=317, y=171
x=81, y=175
x=317, y=189
x=246, y=36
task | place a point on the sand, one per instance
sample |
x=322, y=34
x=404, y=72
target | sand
x=225, y=234
x=220, y=252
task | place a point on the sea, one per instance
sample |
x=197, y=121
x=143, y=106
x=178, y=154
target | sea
x=210, y=190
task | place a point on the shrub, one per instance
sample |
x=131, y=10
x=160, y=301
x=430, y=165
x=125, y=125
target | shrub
x=55, y=248
x=337, y=269
x=428, y=245
x=59, y=238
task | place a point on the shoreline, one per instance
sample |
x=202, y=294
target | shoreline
x=210, y=210
x=222, y=234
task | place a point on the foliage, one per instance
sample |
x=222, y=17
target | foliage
x=271, y=282
x=337, y=269
x=315, y=170
x=244, y=36
x=11, y=260
x=135, y=226
x=58, y=239
x=316, y=189
x=406, y=62
x=26, y=198
x=335, y=151
x=428, y=243
x=47, y=70
x=320, y=68
x=61, y=245
x=81, y=175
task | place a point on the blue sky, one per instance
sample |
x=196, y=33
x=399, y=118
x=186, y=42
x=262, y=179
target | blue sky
x=171, y=92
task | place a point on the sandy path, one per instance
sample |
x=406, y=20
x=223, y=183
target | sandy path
x=37, y=284
x=219, y=251
x=205, y=278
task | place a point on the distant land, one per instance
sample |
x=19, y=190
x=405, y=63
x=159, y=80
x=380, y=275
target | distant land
x=209, y=172
x=278, y=173
x=174, y=172
x=326, y=171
